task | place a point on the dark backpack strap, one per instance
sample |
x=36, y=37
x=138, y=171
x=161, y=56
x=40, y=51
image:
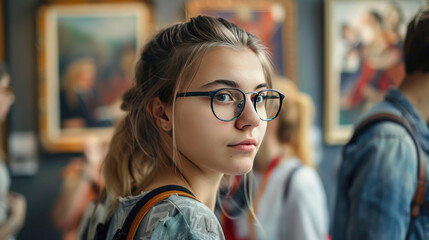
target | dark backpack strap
x=138, y=211
x=289, y=180
x=419, y=195
x=101, y=230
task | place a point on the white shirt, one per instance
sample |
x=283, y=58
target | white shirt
x=302, y=215
x=4, y=189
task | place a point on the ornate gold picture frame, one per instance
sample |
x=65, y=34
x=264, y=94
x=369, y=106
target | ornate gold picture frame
x=86, y=57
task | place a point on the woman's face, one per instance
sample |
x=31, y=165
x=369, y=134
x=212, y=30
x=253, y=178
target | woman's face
x=6, y=97
x=86, y=78
x=211, y=144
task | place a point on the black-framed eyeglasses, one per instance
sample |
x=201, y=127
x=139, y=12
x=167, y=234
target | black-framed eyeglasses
x=228, y=103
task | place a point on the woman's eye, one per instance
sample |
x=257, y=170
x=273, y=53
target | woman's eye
x=259, y=99
x=223, y=97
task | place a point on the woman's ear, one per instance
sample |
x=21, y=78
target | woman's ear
x=161, y=113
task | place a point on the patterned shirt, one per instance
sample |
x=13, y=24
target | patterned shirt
x=173, y=218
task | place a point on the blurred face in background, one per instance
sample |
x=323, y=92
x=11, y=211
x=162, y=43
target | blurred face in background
x=6, y=97
x=85, y=78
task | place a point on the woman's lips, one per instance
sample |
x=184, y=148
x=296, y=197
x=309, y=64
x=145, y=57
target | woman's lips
x=243, y=147
x=248, y=145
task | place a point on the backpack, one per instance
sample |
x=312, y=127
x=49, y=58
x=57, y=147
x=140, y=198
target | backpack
x=419, y=195
x=137, y=213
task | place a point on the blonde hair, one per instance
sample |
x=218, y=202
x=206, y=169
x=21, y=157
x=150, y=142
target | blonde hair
x=138, y=148
x=295, y=120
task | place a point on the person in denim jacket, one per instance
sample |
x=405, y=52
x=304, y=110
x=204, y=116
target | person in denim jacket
x=378, y=175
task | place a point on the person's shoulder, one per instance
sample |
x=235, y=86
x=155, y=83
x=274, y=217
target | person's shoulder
x=382, y=130
x=306, y=180
x=383, y=144
x=188, y=218
x=173, y=216
x=387, y=129
x=300, y=170
x=303, y=179
x=307, y=172
x=191, y=209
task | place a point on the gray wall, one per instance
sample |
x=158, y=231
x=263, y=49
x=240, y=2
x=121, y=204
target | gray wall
x=311, y=77
x=21, y=56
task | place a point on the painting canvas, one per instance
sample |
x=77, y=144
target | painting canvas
x=271, y=21
x=363, y=58
x=86, y=64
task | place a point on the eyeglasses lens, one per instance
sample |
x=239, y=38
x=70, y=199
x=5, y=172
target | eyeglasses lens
x=229, y=103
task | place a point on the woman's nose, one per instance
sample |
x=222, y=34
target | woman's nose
x=249, y=117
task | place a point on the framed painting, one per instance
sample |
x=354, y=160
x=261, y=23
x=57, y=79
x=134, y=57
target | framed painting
x=272, y=21
x=86, y=57
x=363, y=58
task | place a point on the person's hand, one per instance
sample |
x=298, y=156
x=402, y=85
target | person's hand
x=17, y=208
x=95, y=151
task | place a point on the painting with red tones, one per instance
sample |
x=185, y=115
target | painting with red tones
x=273, y=22
x=363, y=58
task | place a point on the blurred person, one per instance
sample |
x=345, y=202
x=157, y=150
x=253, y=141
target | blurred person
x=378, y=176
x=82, y=182
x=289, y=198
x=12, y=205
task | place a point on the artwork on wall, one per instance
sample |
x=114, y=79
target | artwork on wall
x=86, y=59
x=363, y=58
x=271, y=21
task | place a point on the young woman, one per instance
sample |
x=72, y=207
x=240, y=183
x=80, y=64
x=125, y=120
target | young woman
x=288, y=197
x=197, y=111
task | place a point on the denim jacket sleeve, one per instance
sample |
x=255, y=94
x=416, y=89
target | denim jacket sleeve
x=377, y=180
